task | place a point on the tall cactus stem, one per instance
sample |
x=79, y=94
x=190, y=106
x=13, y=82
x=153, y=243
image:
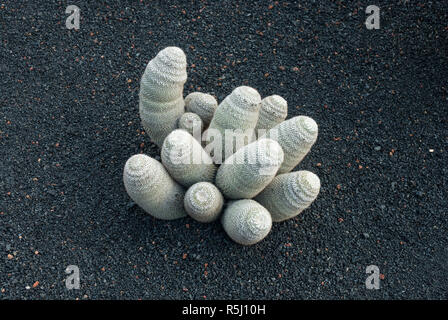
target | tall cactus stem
x=289, y=194
x=248, y=171
x=186, y=160
x=161, y=100
x=151, y=187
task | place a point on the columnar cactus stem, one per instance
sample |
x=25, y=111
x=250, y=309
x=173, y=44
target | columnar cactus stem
x=296, y=136
x=191, y=123
x=246, y=221
x=203, y=202
x=236, y=114
x=186, y=160
x=249, y=170
x=273, y=111
x=161, y=100
x=257, y=169
x=151, y=187
x=203, y=104
x=289, y=194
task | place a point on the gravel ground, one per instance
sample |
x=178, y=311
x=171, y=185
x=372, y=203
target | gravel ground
x=69, y=121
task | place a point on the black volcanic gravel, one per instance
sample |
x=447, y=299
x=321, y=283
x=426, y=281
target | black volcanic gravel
x=69, y=121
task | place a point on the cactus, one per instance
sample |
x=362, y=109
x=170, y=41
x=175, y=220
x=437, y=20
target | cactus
x=151, y=187
x=186, y=160
x=289, y=194
x=246, y=221
x=296, y=136
x=257, y=169
x=161, y=100
x=238, y=111
x=273, y=111
x=203, y=202
x=249, y=170
x=191, y=123
x=203, y=104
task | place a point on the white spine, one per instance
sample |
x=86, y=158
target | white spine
x=289, y=194
x=248, y=171
x=186, y=160
x=246, y=222
x=161, y=100
x=203, y=104
x=296, y=136
x=203, y=202
x=151, y=187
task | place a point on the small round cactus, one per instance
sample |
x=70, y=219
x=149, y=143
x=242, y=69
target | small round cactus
x=249, y=170
x=186, y=160
x=161, y=100
x=289, y=194
x=236, y=114
x=246, y=221
x=191, y=123
x=203, y=202
x=296, y=136
x=273, y=111
x=203, y=104
x=151, y=187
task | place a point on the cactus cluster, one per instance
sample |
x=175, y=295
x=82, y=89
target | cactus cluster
x=212, y=163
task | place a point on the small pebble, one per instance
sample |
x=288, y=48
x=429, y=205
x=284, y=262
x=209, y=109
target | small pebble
x=130, y=205
x=419, y=194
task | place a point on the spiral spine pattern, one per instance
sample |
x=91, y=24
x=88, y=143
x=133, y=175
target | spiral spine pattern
x=161, y=100
x=191, y=123
x=296, y=136
x=150, y=186
x=289, y=194
x=203, y=104
x=203, y=202
x=248, y=171
x=238, y=111
x=186, y=160
x=273, y=111
x=246, y=221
